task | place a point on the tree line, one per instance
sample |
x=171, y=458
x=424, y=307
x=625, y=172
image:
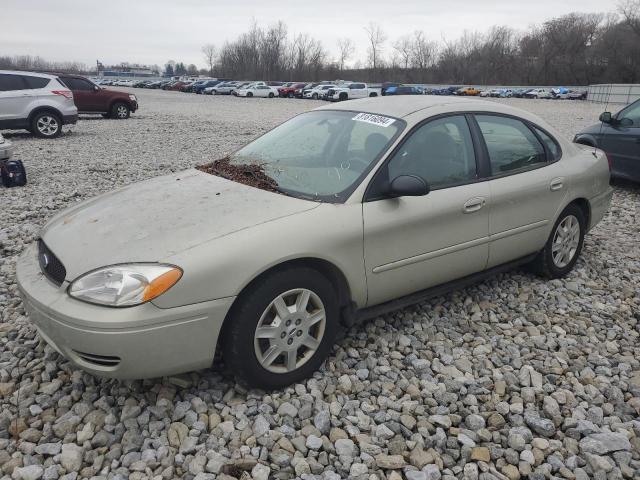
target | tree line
x=573, y=49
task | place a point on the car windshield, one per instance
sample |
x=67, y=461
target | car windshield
x=321, y=155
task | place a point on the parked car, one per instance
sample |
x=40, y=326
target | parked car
x=36, y=102
x=224, y=88
x=506, y=93
x=318, y=92
x=521, y=92
x=186, y=87
x=468, y=91
x=308, y=87
x=90, y=98
x=257, y=91
x=153, y=292
x=403, y=90
x=541, y=93
x=6, y=149
x=353, y=91
x=619, y=136
x=578, y=95
x=175, y=86
x=200, y=88
x=289, y=91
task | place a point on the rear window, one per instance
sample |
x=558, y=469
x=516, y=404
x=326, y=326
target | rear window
x=77, y=83
x=35, y=82
x=10, y=82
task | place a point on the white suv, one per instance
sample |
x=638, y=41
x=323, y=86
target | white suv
x=34, y=101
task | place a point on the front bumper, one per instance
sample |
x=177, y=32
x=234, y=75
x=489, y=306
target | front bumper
x=128, y=343
x=6, y=150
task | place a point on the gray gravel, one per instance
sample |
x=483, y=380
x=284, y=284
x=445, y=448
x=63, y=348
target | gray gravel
x=512, y=378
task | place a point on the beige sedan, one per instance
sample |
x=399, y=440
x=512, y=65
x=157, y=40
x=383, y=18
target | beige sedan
x=338, y=214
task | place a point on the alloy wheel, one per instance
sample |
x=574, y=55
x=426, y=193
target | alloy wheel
x=122, y=111
x=290, y=330
x=565, y=241
x=47, y=125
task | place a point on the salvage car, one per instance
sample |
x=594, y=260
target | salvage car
x=256, y=91
x=90, y=98
x=339, y=214
x=619, y=136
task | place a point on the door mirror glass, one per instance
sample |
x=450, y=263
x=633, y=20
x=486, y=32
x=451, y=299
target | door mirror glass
x=408, y=186
x=605, y=117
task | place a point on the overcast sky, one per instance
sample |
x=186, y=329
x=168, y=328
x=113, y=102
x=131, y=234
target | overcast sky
x=154, y=31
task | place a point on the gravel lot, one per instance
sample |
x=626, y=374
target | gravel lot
x=513, y=378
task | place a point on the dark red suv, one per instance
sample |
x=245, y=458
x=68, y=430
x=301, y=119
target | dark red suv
x=90, y=98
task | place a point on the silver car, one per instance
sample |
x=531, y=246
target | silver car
x=36, y=102
x=6, y=149
x=351, y=210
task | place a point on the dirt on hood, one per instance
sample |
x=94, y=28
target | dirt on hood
x=251, y=174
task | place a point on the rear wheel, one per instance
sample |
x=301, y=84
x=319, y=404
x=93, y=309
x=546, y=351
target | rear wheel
x=564, y=245
x=282, y=329
x=314, y=96
x=120, y=111
x=271, y=95
x=343, y=96
x=249, y=94
x=46, y=125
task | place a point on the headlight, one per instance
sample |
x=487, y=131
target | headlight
x=125, y=285
x=132, y=97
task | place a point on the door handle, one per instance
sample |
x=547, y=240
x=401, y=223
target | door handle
x=556, y=184
x=473, y=204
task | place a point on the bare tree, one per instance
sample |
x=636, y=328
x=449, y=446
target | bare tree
x=345, y=50
x=403, y=46
x=630, y=10
x=376, y=38
x=209, y=51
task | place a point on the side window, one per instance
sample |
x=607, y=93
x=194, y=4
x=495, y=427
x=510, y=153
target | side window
x=35, y=82
x=441, y=152
x=11, y=82
x=551, y=143
x=632, y=112
x=511, y=145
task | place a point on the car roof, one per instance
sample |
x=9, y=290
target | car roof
x=401, y=107
x=32, y=74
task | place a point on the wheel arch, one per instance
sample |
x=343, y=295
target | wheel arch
x=127, y=102
x=43, y=109
x=585, y=206
x=333, y=274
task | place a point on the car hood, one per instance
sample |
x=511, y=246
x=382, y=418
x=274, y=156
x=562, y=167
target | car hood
x=155, y=219
x=596, y=128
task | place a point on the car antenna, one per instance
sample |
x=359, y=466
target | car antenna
x=606, y=107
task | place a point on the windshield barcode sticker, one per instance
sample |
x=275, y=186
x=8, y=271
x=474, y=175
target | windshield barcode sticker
x=374, y=119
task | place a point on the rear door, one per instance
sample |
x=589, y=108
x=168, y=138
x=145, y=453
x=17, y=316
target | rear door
x=86, y=98
x=527, y=185
x=13, y=97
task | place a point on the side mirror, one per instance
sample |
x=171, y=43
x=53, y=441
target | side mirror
x=605, y=117
x=408, y=186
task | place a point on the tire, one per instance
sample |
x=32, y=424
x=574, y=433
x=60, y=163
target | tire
x=343, y=97
x=243, y=351
x=290, y=95
x=373, y=94
x=551, y=262
x=271, y=95
x=249, y=94
x=120, y=111
x=46, y=125
x=314, y=96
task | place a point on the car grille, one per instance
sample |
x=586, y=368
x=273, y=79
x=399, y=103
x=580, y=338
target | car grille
x=50, y=265
x=100, y=360
x=331, y=92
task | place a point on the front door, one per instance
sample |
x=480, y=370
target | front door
x=622, y=142
x=413, y=243
x=527, y=186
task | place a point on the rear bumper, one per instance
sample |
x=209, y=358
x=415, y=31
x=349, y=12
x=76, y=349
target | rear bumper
x=599, y=206
x=70, y=119
x=128, y=343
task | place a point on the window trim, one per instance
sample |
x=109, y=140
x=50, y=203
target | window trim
x=549, y=160
x=369, y=195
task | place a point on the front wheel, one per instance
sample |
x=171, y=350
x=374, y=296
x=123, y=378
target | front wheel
x=249, y=94
x=564, y=245
x=46, y=125
x=271, y=95
x=343, y=97
x=282, y=329
x=314, y=96
x=120, y=111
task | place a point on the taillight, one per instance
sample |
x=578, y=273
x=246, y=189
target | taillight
x=65, y=93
